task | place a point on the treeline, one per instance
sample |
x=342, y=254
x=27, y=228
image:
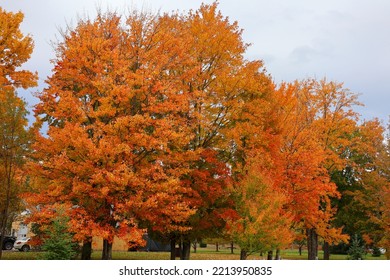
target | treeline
x=158, y=123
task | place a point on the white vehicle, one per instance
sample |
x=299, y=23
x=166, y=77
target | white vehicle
x=22, y=245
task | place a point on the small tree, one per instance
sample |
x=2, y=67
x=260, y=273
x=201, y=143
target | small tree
x=356, y=251
x=59, y=244
x=263, y=225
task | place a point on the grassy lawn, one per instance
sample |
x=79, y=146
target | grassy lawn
x=202, y=254
x=294, y=255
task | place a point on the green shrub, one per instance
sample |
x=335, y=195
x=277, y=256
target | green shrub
x=339, y=249
x=376, y=252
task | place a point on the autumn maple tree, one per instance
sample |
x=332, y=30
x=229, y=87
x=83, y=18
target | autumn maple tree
x=218, y=84
x=15, y=50
x=114, y=121
x=306, y=156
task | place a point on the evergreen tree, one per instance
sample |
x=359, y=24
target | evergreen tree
x=356, y=251
x=59, y=244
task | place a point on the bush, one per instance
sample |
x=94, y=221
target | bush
x=376, y=252
x=340, y=249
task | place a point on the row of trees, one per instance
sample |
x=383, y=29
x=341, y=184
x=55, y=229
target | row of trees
x=159, y=123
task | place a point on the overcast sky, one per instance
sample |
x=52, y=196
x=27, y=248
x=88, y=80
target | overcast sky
x=345, y=40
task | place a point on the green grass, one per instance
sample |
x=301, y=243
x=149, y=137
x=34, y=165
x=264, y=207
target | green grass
x=202, y=254
x=294, y=255
x=15, y=255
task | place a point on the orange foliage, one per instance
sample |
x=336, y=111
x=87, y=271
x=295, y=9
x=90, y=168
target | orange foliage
x=15, y=50
x=115, y=119
x=306, y=157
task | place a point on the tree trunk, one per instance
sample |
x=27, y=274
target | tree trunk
x=173, y=248
x=107, y=250
x=300, y=249
x=195, y=246
x=7, y=182
x=269, y=255
x=277, y=254
x=232, y=247
x=186, y=249
x=86, y=250
x=180, y=249
x=2, y=233
x=217, y=247
x=312, y=244
x=243, y=254
x=326, y=251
